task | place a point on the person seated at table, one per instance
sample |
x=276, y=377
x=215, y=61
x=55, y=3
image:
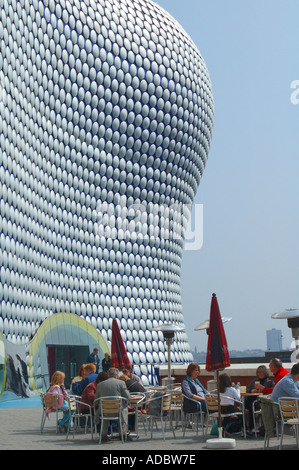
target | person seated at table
x=127, y=370
x=288, y=386
x=112, y=387
x=128, y=381
x=229, y=395
x=262, y=377
x=230, y=400
x=88, y=394
x=80, y=376
x=133, y=385
x=277, y=369
x=91, y=375
x=194, y=390
x=57, y=387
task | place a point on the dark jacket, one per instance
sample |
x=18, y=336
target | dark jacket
x=78, y=387
x=106, y=364
x=134, y=386
x=190, y=406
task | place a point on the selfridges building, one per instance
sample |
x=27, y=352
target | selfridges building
x=106, y=115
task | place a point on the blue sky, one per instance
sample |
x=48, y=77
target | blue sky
x=249, y=189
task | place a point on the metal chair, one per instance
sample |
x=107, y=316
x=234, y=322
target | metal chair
x=159, y=409
x=196, y=418
x=289, y=411
x=49, y=403
x=256, y=413
x=270, y=417
x=137, y=401
x=176, y=408
x=213, y=413
x=78, y=416
x=144, y=416
x=111, y=409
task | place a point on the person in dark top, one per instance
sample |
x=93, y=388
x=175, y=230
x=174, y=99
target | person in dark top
x=91, y=375
x=275, y=366
x=192, y=388
x=106, y=362
x=93, y=358
x=262, y=377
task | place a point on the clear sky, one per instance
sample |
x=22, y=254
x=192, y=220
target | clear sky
x=249, y=190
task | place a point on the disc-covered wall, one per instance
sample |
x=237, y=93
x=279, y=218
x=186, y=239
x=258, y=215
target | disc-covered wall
x=106, y=114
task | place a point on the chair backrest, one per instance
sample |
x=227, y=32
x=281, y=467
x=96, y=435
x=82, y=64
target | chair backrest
x=288, y=408
x=110, y=407
x=51, y=400
x=148, y=396
x=159, y=403
x=42, y=399
x=212, y=403
x=176, y=397
x=166, y=402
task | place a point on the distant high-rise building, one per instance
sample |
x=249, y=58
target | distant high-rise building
x=274, y=340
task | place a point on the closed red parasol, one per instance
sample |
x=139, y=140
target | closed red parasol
x=217, y=351
x=119, y=356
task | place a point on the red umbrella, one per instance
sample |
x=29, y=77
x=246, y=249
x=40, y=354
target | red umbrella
x=119, y=356
x=217, y=351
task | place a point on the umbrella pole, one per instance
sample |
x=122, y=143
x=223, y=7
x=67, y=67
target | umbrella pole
x=169, y=341
x=219, y=408
x=220, y=442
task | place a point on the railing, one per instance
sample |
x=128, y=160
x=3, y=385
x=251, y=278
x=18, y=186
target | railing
x=154, y=368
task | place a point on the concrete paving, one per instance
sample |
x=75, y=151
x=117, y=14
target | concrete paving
x=20, y=430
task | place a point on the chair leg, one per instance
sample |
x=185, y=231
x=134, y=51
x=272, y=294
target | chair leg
x=56, y=421
x=172, y=428
x=184, y=423
x=282, y=431
x=121, y=430
x=43, y=422
x=151, y=425
x=101, y=430
x=91, y=426
x=204, y=423
x=162, y=427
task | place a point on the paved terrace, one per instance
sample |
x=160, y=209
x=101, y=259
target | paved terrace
x=20, y=430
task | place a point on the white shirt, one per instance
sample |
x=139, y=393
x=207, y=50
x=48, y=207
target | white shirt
x=230, y=395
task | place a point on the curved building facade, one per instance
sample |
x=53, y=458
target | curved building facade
x=106, y=115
